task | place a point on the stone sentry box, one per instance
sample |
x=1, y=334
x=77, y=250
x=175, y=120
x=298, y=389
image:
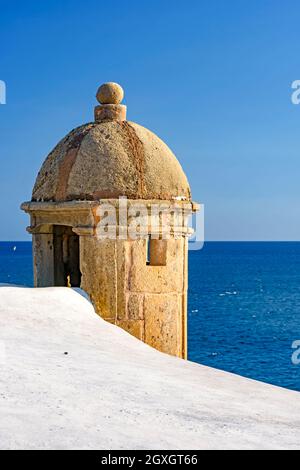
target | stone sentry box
x=138, y=284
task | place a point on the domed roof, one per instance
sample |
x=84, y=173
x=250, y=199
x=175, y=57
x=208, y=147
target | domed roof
x=111, y=157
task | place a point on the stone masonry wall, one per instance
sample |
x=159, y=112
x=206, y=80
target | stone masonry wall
x=147, y=301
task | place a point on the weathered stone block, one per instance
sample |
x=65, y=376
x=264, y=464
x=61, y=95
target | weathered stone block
x=134, y=306
x=134, y=327
x=99, y=274
x=43, y=260
x=156, y=279
x=164, y=322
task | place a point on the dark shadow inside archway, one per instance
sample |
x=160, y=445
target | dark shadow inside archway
x=66, y=257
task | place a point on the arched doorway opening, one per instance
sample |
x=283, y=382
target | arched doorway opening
x=66, y=257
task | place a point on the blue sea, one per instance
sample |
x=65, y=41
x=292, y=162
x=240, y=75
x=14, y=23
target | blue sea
x=244, y=305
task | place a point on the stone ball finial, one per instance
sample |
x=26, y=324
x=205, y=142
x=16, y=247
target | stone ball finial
x=110, y=93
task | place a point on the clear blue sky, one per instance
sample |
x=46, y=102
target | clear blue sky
x=212, y=78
